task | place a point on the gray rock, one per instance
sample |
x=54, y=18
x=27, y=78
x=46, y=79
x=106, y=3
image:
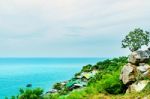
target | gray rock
x=147, y=74
x=148, y=51
x=137, y=86
x=144, y=70
x=52, y=91
x=128, y=73
x=143, y=67
x=134, y=73
x=138, y=57
x=29, y=85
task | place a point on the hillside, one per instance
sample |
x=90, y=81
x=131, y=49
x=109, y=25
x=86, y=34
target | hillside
x=101, y=81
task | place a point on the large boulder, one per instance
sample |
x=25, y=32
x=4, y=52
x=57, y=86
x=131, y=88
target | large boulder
x=148, y=51
x=137, y=86
x=135, y=73
x=138, y=57
x=128, y=73
x=143, y=67
x=144, y=70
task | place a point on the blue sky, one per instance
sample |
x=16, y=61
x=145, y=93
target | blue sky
x=69, y=28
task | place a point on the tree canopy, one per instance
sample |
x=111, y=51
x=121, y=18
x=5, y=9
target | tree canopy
x=136, y=39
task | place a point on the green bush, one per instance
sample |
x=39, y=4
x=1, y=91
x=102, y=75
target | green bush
x=51, y=96
x=108, y=67
x=77, y=74
x=112, y=64
x=87, y=68
x=64, y=91
x=57, y=86
x=29, y=94
x=110, y=84
x=76, y=94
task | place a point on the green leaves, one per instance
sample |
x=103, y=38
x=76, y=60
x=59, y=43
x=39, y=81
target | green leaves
x=87, y=68
x=29, y=94
x=57, y=86
x=107, y=80
x=136, y=39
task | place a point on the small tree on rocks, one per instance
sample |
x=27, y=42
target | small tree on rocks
x=136, y=39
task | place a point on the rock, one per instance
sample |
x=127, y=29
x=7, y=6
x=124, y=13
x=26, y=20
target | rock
x=147, y=74
x=143, y=67
x=79, y=76
x=135, y=73
x=138, y=57
x=52, y=91
x=29, y=85
x=148, y=51
x=128, y=73
x=144, y=70
x=137, y=86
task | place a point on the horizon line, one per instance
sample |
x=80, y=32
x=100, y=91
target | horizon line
x=57, y=57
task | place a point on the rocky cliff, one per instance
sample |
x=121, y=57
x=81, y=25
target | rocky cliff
x=135, y=75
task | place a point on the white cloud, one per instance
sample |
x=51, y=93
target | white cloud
x=78, y=25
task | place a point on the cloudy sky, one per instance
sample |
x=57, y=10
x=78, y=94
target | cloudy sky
x=69, y=28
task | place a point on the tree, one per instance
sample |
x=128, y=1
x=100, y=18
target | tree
x=87, y=68
x=136, y=39
x=29, y=94
x=57, y=86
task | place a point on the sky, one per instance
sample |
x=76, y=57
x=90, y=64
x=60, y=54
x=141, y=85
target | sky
x=69, y=28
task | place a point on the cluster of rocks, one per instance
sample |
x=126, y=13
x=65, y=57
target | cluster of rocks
x=135, y=75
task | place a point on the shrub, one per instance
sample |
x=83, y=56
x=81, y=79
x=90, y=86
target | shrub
x=110, y=84
x=86, y=68
x=64, y=91
x=108, y=67
x=29, y=94
x=57, y=86
x=51, y=96
x=77, y=94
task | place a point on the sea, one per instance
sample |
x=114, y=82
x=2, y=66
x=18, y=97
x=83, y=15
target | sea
x=16, y=73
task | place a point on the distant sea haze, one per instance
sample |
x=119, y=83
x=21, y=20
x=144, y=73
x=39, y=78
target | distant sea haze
x=16, y=73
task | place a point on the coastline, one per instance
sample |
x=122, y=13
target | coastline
x=42, y=76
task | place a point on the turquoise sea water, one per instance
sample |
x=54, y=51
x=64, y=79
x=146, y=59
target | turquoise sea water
x=16, y=73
